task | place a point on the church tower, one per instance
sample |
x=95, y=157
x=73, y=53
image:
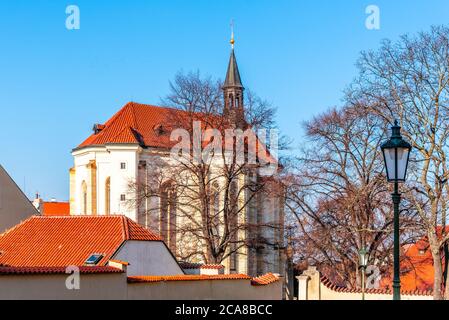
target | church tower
x=233, y=91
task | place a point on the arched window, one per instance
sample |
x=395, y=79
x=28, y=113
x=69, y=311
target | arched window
x=107, y=196
x=231, y=101
x=167, y=219
x=83, y=197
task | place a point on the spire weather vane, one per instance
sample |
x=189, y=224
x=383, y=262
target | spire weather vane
x=232, y=34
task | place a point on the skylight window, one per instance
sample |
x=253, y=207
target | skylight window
x=94, y=259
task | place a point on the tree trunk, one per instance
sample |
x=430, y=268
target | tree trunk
x=437, y=266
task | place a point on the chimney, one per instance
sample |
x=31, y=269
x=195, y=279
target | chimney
x=38, y=203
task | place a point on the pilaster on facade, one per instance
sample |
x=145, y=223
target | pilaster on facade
x=92, y=188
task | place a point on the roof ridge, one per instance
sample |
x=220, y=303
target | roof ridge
x=21, y=223
x=125, y=228
x=79, y=216
x=109, y=122
x=133, y=115
x=330, y=285
x=125, y=128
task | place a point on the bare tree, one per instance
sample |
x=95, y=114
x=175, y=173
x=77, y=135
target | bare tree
x=409, y=80
x=216, y=201
x=339, y=195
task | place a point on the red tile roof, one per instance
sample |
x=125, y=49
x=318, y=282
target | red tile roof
x=188, y=265
x=265, y=279
x=417, y=272
x=56, y=270
x=326, y=282
x=262, y=280
x=62, y=241
x=139, y=124
x=135, y=123
x=125, y=263
x=55, y=209
x=139, y=279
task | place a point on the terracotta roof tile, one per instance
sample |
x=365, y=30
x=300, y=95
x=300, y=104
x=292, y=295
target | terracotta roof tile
x=62, y=241
x=188, y=265
x=138, y=124
x=327, y=283
x=120, y=262
x=55, y=209
x=262, y=280
x=143, y=279
x=56, y=270
x=265, y=279
x=135, y=124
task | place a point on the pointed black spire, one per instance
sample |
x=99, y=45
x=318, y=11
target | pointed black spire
x=232, y=76
x=233, y=90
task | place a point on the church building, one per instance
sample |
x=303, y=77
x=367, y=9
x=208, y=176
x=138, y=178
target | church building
x=126, y=148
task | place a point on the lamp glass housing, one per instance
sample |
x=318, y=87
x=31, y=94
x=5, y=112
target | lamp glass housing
x=396, y=162
x=363, y=258
x=396, y=154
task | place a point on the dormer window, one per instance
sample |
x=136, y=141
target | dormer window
x=159, y=129
x=98, y=128
x=93, y=259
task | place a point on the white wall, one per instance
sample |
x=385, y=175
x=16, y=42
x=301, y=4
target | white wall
x=114, y=286
x=108, y=160
x=205, y=290
x=108, y=286
x=14, y=205
x=148, y=258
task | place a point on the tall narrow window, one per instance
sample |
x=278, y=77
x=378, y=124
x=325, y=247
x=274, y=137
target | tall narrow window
x=233, y=263
x=107, y=196
x=167, y=219
x=84, y=197
x=231, y=101
x=215, y=210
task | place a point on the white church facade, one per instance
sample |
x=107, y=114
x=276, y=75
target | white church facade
x=126, y=149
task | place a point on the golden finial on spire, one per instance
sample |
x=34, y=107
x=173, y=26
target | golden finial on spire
x=232, y=34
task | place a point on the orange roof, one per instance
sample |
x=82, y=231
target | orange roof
x=125, y=263
x=262, y=280
x=188, y=265
x=55, y=209
x=62, y=241
x=265, y=279
x=383, y=290
x=137, y=123
x=56, y=270
x=196, y=277
x=417, y=272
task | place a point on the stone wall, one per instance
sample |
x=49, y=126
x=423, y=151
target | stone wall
x=313, y=286
x=115, y=286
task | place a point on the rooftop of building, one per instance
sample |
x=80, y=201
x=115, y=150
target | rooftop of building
x=42, y=241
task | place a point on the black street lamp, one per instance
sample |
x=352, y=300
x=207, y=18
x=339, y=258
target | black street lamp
x=363, y=263
x=396, y=152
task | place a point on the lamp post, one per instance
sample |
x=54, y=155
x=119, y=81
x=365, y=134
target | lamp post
x=396, y=152
x=363, y=262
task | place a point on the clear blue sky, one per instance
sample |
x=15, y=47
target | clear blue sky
x=55, y=83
